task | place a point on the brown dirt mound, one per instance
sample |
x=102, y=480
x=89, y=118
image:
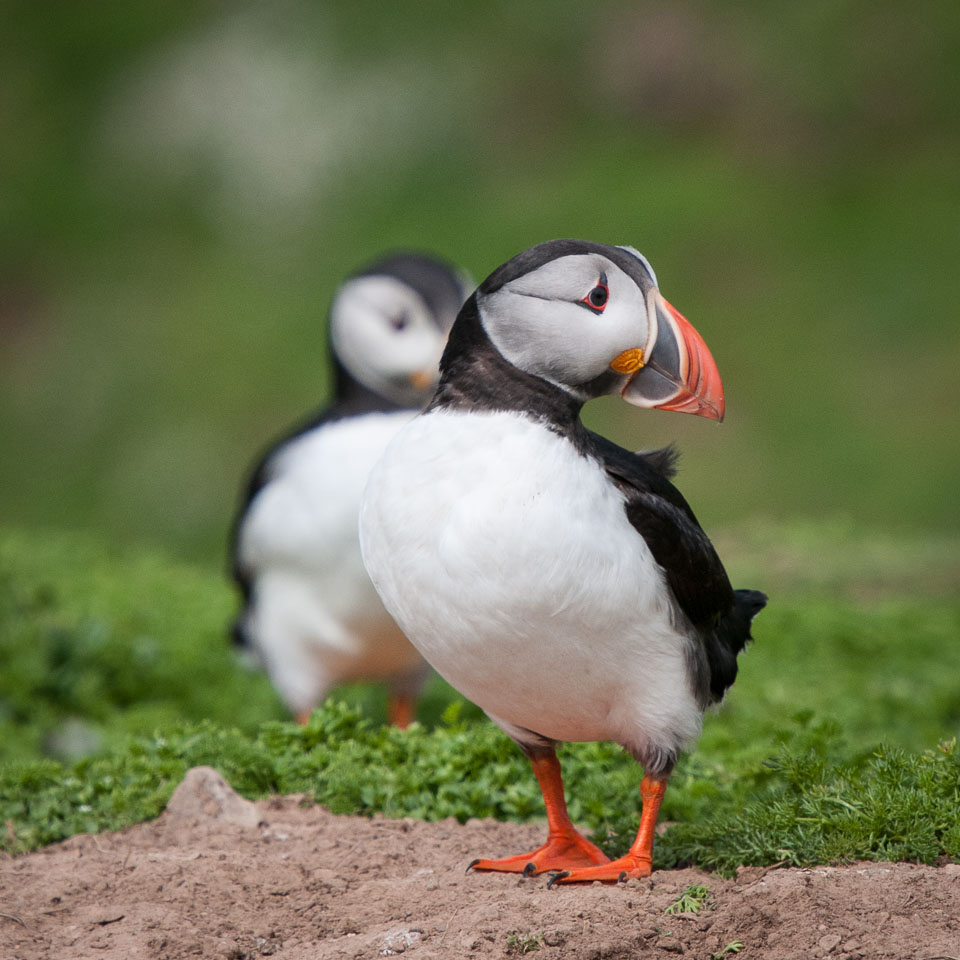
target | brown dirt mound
x=214, y=877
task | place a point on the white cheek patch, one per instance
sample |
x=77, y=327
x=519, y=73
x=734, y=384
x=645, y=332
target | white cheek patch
x=544, y=337
x=377, y=353
x=562, y=341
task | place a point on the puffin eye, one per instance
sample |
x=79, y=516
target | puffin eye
x=399, y=322
x=597, y=298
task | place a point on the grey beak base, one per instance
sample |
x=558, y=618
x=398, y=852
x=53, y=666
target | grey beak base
x=661, y=377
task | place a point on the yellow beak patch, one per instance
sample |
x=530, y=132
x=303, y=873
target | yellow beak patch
x=630, y=361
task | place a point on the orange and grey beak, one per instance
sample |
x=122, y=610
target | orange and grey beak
x=675, y=370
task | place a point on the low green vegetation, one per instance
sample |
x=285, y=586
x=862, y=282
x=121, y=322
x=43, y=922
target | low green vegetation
x=805, y=805
x=518, y=943
x=734, y=947
x=827, y=749
x=694, y=899
x=96, y=646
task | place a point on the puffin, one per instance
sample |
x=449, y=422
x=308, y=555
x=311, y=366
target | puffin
x=308, y=611
x=557, y=580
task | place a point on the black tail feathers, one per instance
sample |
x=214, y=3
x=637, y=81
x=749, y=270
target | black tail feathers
x=728, y=637
x=746, y=605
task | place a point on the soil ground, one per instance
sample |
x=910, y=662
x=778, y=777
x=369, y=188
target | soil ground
x=218, y=877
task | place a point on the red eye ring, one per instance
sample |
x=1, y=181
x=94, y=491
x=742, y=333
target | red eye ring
x=596, y=300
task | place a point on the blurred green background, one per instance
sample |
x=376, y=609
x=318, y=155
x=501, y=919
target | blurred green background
x=183, y=184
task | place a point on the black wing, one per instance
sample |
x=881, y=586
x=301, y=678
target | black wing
x=720, y=615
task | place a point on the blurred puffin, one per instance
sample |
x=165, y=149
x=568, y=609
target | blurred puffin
x=309, y=609
x=557, y=580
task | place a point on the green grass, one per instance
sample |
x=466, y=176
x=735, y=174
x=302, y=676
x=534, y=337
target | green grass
x=109, y=645
x=807, y=804
x=825, y=750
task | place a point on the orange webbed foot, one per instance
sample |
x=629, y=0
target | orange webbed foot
x=568, y=852
x=629, y=867
x=638, y=861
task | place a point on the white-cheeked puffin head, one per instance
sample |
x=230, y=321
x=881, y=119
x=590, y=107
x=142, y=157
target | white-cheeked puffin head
x=389, y=325
x=590, y=318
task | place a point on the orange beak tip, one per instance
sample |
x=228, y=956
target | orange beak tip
x=681, y=374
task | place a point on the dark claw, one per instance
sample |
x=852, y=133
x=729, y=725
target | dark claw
x=623, y=877
x=472, y=864
x=557, y=876
x=530, y=869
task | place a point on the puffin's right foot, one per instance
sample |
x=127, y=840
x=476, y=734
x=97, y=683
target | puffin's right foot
x=401, y=711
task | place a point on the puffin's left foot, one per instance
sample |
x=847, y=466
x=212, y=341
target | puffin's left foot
x=570, y=850
x=628, y=867
x=638, y=861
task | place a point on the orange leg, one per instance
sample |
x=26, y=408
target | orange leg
x=638, y=861
x=565, y=847
x=401, y=710
x=303, y=718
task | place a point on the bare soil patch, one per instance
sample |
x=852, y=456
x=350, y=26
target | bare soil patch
x=280, y=878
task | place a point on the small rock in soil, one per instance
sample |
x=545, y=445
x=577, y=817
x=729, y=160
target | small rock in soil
x=204, y=795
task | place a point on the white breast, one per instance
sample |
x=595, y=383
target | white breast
x=314, y=614
x=508, y=560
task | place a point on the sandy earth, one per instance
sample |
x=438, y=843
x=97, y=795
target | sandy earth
x=216, y=876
